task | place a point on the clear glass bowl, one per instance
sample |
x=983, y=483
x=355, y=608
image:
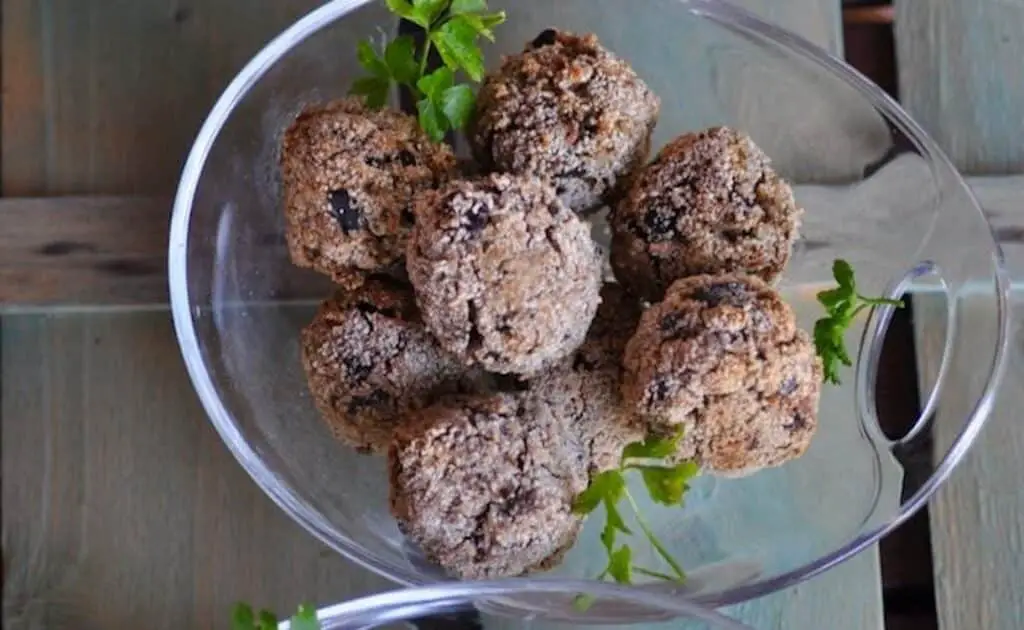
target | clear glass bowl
x=442, y=606
x=896, y=209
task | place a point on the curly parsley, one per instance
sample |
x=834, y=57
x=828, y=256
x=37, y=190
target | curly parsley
x=453, y=28
x=666, y=484
x=244, y=618
x=842, y=305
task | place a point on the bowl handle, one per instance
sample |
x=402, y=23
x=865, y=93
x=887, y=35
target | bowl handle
x=924, y=274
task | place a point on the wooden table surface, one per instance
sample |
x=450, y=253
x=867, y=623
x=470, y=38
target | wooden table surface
x=121, y=506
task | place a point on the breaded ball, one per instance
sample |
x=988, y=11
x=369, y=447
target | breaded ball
x=721, y=357
x=584, y=388
x=710, y=203
x=369, y=360
x=506, y=276
x=349, y=175
x=570, y=112
x=485, y=485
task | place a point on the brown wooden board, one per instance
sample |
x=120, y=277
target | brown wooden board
x=111, y=251
x=105, y=97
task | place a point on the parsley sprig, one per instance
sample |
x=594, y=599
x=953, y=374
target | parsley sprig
x=666, y=483
x=842, y=305
x=244, y=618
x=453, y=28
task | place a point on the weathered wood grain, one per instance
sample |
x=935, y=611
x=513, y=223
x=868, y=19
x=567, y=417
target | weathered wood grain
x=112, y=250
x=88, y=249
x=960, y=77
x=105, y=97
x=978, y=517
x=99, y=251
x=1002, y=199
x=959, y=67
x=121, y=506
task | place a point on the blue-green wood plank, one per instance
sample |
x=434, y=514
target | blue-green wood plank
x=960, y=76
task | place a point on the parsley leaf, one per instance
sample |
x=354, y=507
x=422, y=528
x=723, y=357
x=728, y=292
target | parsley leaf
x=842, y=271
x=483, y=24
x=371, y=61
x=305, y=619
x=583, y=602
x=458, y=103
x=454, y=27
x=400, y=57
x=833, y=299
x=468, y=6
x=434, y=84
x=667, y=485
x=266, y=620
x=606, y=486
x=374, y=89
x=456, y=42
x=652, y=447
x=620, y=565
x=404, y=9
x=242, y=617
x=432, y=119
x=429, y=10
x=842, y=305
x=432, y=108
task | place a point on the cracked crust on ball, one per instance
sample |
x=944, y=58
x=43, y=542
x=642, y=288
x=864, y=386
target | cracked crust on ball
x=584, y=389
x=710, y=203
x=569, y=111
x=349, y=175
x=505, y=275
x=722, y=358
x=369, y=360
x=485, y=485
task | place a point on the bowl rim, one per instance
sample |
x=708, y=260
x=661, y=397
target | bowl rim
x=404, y=604
x=719, y=11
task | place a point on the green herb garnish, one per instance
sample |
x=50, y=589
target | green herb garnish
x=842, y=306
x=243, y=618
x=453, y=28
x=666, y=483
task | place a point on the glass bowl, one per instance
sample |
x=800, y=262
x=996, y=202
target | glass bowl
x=892, y=205
x=442, y=606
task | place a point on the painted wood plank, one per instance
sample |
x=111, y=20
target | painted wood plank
x=105, y=97
x=959, y=77
x=977, y=518
x=111, y=248
x=109, y=251
x=99, y=251
x=115, y=483
x=959, y=67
